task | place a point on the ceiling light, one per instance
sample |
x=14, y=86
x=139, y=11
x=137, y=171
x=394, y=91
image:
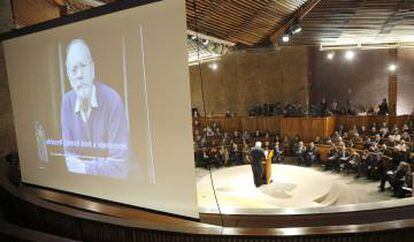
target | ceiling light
x=193, y=37
x=330, y=55
x=295, y=28
x=205, y=42
x=285, y=38
x=214, y=66
x=349, y=55
x=392, y=67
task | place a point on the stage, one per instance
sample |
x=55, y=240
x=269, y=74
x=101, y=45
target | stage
x=292, y=187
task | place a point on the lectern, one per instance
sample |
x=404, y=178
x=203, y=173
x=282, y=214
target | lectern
x=267, y=168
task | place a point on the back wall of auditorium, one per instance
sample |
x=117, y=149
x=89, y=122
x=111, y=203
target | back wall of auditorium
x=304, y=75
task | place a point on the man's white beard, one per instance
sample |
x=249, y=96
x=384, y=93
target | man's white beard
x=84, y=93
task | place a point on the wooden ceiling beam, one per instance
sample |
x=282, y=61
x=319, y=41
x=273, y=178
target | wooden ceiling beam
x=299, y=15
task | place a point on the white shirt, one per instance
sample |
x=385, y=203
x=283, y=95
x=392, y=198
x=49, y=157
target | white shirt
x=93, y=104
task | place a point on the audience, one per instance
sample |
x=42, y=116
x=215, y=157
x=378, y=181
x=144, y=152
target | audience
x=379, y=152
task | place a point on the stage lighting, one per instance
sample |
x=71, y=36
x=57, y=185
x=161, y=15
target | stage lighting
x=330, y=55
x=349, y=55
x=392, y=67
x=285, y=38
x=296, y=29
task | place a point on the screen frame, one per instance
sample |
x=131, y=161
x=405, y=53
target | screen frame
x=76, y=17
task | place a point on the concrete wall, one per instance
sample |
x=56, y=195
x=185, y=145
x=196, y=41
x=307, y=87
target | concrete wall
x=244, y=79
x=7, y=133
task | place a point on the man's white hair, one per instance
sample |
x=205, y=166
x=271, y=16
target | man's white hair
x=78, y=42
x=258, y=144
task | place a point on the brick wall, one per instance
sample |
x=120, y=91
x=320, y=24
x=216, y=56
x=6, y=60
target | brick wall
x=244, y=79
x=364, y=80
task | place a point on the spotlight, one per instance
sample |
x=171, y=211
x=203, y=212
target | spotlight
x=330, y=55
x=349, y=55
x=205, y=42
x=214, y=66
x=296, y=29
x=285, y=38
x=193, y=37
x=392, y=67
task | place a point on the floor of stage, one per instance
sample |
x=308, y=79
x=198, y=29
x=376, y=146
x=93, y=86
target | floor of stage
x=292, y=187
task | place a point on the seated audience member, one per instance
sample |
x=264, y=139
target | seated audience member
x=300, y=153
x=397, y=157
x=236, y=135
x=383, y=148
x=333, y=162
x=208, y=131
x=235, y=155
x=267, y=135
x=226, y=139
x=336, y=136
x=341, y=130
x=278, y=153
x=364, y=164
x=356, y=139
x=202, y=158
x=286, y=146
x=406, y=136
x=376, y=167
x=371, y=111
x=373, y=148
x=363, y=130
x=353, y=163
x=196, y=123
x=350, y=144
x=217, y=132
x=246, y=154
x=398, y=179
x=312, y=155
x=224, y=153
x=323, y=108
x=334, y=108
x=195, y=113
x=405, y=128
x=354, y=130
x=317, y=141
x=228, y=114
x=257, y=133
x=343, y=158
x=246, y=136
x=383, y=107
x=215, y=158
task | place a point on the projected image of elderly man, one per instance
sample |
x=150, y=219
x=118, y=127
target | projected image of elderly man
x=94, y=125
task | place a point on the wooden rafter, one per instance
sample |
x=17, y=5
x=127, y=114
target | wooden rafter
x=301, y=13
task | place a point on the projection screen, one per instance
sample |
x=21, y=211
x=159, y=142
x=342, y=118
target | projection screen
x=102, y=107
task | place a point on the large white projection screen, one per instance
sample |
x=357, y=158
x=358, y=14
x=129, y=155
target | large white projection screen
x=102, y=107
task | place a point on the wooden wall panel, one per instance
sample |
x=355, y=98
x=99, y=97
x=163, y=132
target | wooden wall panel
x=306, y=128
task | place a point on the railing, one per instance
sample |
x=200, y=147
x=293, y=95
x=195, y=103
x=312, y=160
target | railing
x=24, y=209
x=306, y=127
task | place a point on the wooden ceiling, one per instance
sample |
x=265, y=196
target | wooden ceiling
x=323, y=22
x=240, y=21
x=359, y=22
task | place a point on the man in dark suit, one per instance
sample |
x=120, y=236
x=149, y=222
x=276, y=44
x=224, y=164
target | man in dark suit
x=257, y=156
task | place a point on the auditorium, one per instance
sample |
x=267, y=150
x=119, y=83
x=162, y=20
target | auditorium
x=207, y=120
